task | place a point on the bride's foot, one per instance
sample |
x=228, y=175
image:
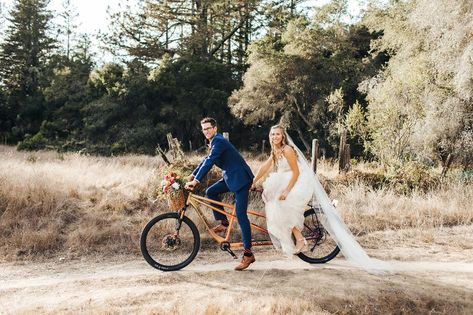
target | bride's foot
x=301, y=245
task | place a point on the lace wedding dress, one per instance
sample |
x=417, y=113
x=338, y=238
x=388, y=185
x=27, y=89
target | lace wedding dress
x=283, y=215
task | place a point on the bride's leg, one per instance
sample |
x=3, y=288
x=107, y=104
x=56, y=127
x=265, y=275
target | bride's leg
x=300, y=240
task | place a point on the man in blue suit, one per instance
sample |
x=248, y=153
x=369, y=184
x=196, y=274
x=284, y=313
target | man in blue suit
x=237, y=178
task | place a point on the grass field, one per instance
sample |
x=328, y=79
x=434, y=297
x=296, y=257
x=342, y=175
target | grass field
x=69, y=204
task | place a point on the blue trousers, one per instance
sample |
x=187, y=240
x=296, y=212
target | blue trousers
x=241, y=205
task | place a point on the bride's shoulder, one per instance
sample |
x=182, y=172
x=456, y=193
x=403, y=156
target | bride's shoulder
x=288, y=151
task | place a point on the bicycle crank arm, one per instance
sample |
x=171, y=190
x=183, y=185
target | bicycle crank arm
x=225, y=246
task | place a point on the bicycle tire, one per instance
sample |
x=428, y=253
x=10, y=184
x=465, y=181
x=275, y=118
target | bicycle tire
x=160, y=247
x=321, y=247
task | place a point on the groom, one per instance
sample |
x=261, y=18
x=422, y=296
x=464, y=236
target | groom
x=237, y=178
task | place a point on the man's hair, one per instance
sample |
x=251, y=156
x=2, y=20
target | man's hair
x=210, y=120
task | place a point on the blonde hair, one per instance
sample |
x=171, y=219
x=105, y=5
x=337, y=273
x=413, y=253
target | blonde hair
x=283, y=142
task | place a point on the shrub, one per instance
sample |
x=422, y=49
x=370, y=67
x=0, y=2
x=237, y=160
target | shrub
x=31, y=143
x=411, y=176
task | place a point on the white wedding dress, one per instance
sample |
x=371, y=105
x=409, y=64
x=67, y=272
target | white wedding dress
x=283, y=215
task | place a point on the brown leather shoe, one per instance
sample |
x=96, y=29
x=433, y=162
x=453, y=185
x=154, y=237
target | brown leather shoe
x=219, y=228
x=245, y=262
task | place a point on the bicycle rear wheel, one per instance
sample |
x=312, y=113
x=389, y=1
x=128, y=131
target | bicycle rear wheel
x=321, y=246
x=167, y=246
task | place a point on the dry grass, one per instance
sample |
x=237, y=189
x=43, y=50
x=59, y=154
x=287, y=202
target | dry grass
x=367, y=210
x=53, y=202
x=69, y=204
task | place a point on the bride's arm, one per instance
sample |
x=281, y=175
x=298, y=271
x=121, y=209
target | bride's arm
x=291, y=158
x=263, y=170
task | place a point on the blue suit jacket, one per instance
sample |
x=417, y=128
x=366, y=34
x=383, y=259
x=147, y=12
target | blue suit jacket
x=236, y=173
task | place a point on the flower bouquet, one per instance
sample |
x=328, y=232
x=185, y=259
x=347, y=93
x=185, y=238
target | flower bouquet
x=172, y=187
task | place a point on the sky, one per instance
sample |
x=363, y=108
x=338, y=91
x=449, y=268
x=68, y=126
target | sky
x=92, y=13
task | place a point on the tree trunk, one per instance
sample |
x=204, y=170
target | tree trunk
x=341, y=152
x=301, y=137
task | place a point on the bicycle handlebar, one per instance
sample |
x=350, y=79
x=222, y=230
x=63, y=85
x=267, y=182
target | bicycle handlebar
x=260, y=190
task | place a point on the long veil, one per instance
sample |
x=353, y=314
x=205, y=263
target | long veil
x=332, y=222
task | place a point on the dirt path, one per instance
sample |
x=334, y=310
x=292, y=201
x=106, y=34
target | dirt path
x=210, y=286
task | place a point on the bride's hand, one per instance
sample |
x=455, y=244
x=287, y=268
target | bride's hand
x=284, y=194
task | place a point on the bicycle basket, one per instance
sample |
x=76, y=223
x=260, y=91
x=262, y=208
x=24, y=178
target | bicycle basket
x=176, y=200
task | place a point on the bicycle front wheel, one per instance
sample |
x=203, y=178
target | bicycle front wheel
x=168, y=245
x=321, y=246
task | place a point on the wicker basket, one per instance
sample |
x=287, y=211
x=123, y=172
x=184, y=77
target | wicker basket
x=177, y=200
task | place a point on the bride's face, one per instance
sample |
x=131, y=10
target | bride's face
x=276, y=136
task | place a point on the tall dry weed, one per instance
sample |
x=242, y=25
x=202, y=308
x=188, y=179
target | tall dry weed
x=53, y=202
x=366, y=210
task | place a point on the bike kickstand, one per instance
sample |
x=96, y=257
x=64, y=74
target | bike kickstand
x=225, y=246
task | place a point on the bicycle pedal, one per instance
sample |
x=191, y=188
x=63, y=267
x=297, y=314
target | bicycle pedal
x=225, y=246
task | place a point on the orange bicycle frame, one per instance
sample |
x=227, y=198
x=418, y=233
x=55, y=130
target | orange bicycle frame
x=196, y=200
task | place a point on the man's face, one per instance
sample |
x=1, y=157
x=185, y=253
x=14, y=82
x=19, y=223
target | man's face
x=208, y=131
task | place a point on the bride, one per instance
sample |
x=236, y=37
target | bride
x=289, y=185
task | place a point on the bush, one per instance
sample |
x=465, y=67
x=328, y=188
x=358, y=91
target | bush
x=375, y=180
x=403, y=179
x=411, y=176
x=32, y=143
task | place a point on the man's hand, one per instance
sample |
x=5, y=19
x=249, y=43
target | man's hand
x=191, y=184
x=190, y=178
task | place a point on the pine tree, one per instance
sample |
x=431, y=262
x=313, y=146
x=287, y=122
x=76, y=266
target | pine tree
x=68, y=26
x=2, y=16
x=23, y=58
x=200, y=28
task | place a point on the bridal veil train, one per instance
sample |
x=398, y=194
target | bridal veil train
x=332, y=222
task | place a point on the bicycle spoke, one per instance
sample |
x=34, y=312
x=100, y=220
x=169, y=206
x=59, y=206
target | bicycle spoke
x=321, y=247
x=166, y=247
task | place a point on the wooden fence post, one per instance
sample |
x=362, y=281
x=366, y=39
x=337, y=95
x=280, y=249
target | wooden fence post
x=263, y=146
x=175, y=147
x=314, y=155
x=341, y=152
x=347, y=158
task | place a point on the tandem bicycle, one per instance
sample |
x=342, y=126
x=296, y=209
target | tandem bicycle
x=171, y=240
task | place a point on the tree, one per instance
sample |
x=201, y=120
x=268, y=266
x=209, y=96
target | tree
x=190, y=89
x=420, y=104
x=200, y=28
x=65, y=97
x=2, y=17
x=68, y=26
x=23, y=57
x=293, y=76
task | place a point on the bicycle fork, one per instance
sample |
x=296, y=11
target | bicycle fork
x=179, y=222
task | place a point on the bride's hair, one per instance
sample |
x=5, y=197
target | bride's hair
x=284, y=141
